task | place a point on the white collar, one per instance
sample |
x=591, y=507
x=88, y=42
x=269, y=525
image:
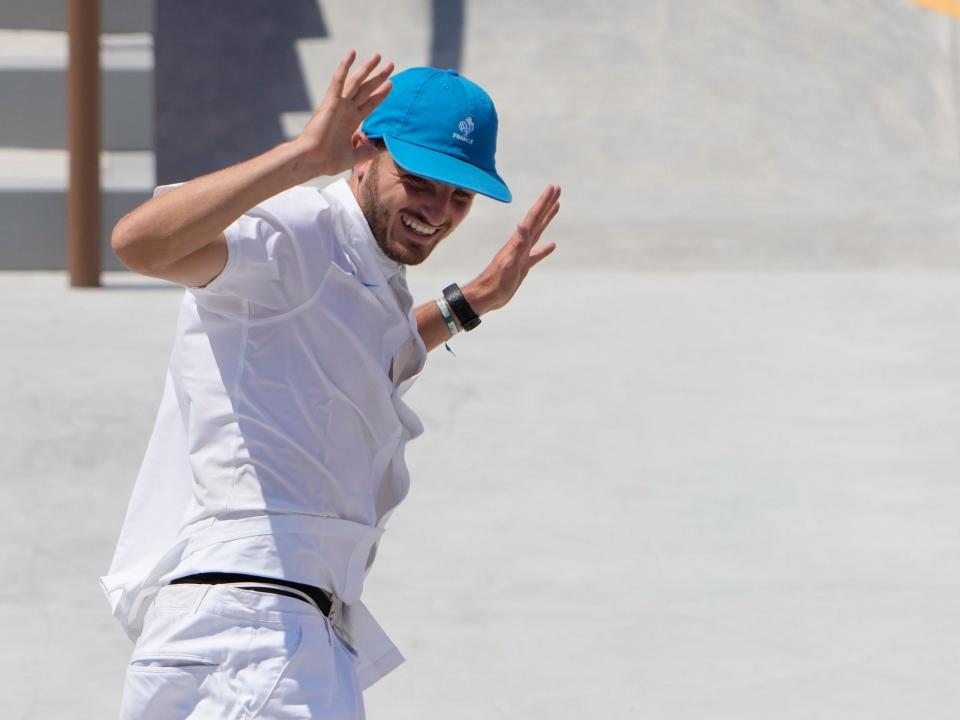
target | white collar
x=341, y=192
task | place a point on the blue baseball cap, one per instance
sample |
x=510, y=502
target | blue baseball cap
x=441, y=126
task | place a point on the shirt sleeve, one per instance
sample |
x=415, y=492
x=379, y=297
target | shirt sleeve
x=277, y=254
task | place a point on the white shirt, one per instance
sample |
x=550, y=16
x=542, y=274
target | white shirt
x=278, y=446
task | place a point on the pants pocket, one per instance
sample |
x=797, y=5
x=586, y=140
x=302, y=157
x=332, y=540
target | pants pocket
x=270, y=651
x=158, y=662
x=211, y=664
x=165, y=687
x=319, y=680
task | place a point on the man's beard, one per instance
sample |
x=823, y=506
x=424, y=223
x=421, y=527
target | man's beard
x=377, y=216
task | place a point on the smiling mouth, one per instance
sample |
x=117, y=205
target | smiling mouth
x=418, y=228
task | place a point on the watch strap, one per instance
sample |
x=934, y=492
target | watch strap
x=467, y=318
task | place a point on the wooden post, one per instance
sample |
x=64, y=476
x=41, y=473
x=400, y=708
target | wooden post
x=83, y=143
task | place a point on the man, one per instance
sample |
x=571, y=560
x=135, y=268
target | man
x=277, y=454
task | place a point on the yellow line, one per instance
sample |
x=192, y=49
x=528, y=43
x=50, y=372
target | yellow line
x=947, y=7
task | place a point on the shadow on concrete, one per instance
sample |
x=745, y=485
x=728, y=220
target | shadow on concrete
x=225, y=72
x=446, y=36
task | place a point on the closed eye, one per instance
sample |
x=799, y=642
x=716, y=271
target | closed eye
x=420, y=183
x=416, y=180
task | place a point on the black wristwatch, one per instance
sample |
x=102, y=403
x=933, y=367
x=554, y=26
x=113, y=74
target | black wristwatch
x=467, y=318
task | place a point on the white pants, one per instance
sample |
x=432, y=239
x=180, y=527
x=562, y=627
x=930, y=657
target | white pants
x=215, y=651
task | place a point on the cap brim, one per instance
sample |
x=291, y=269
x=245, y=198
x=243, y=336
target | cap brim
x=436, y=166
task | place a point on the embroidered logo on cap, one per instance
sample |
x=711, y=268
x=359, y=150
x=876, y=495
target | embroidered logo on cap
x=466, y=127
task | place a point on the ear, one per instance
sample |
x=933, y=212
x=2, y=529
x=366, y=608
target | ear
x=363, y=152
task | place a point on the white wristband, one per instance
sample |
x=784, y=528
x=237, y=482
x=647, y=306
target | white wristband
x=447, y=316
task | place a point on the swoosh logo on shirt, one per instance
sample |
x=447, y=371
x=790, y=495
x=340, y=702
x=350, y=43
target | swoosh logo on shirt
x=365, y=284
x=353, y=273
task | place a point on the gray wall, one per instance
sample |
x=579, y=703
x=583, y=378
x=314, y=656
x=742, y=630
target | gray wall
x=225, y=71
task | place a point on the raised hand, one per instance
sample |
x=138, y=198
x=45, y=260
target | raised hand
x=349, y=99
x=499, y=281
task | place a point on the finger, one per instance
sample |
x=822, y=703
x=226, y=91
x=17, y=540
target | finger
x=365, y=90
x=376, y=97
x=540, y=252
x=340, y=76
x=357, y=78
x=540, y=221
x=530, y=219
x=524, y=237
x=546, y=221
x=541, y=208
x=548, y=207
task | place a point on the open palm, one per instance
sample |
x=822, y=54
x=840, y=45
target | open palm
x=349, y=99
x=502, y=278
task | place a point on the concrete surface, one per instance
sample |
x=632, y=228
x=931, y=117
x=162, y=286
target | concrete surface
x=116, y=16
x=33, y=163
x=694, y=135
x=723, y=492
x=765, y=134
x=678, y=496
x=33, y=203
x=222, y=87
x=33, y=70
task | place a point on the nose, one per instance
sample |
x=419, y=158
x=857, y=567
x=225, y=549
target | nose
x=436, y=204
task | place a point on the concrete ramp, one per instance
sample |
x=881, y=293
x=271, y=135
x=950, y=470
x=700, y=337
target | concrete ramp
x=746, y=134
x=755, y=133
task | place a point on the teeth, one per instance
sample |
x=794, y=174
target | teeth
x=417, y=227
